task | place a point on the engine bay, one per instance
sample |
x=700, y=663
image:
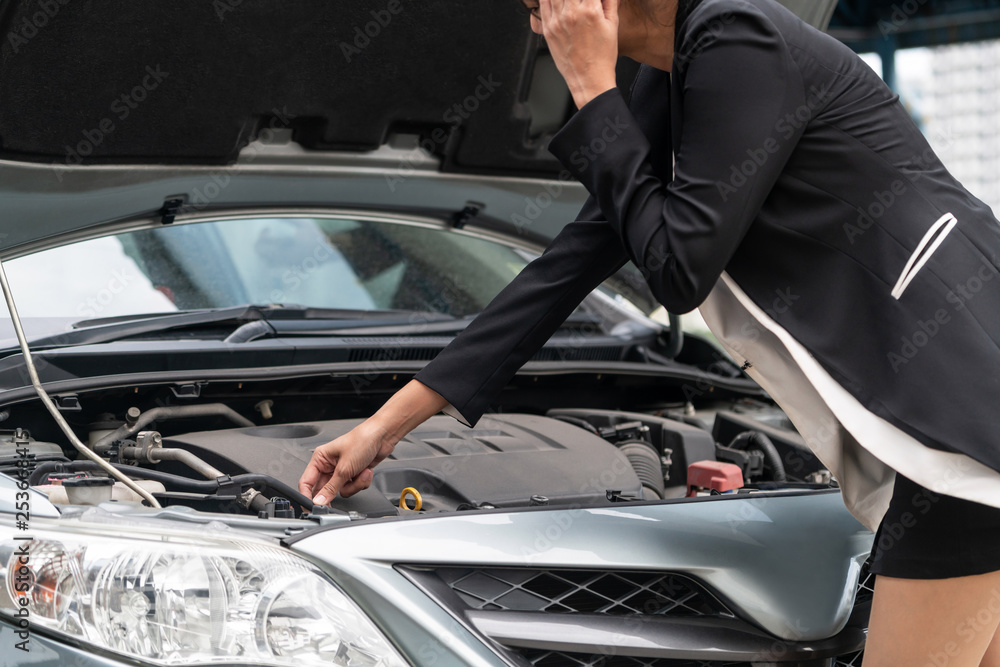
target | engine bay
x=211, y=456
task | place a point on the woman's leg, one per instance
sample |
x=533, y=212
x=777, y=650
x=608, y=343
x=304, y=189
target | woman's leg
x=934, y=622
x=992, y=657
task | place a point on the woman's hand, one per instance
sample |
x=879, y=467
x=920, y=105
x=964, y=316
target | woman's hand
x=345, y=465
x=582, y=36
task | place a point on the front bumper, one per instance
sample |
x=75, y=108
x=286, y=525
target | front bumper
x=786, y=564
x=770, y=578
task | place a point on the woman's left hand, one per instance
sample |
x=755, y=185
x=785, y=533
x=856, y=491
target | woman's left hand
x=582, y=36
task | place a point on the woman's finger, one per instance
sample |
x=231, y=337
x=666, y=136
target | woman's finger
x=359, y=483
x=309, y=479
x=547, y=12
x=315, y=474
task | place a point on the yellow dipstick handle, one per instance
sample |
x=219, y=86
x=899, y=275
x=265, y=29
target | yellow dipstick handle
x=417, y=500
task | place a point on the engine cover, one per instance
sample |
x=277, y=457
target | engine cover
x=504, y=461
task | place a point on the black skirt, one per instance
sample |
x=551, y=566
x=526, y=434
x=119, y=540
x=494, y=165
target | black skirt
x=928, y=535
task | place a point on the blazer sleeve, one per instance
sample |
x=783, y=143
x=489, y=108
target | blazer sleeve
x=472, y=370
x=740, y=93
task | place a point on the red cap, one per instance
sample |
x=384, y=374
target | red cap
x=715, y=475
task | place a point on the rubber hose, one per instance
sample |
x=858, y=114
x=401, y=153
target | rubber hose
x=183, y=483
x=646, y=463
x=676, y=340
x=757, y=440
x=171, y=412
x=579, y=421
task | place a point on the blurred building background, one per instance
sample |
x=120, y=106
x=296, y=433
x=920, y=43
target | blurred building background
x=953, y=92
x=943, y=58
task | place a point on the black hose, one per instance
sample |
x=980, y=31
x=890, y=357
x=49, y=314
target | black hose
x=645, y=461
x=757, y=440
x=44, y=468
x=676, y=340
x=14, y=470
x=183, y=483
x=177, y=481
x=578, y=421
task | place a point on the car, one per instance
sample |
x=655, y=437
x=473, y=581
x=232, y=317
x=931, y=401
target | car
x=229, y=232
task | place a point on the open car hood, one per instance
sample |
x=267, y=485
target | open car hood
x=115, y=110
x=191, y=82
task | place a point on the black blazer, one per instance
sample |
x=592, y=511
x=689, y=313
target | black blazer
x=800, y=177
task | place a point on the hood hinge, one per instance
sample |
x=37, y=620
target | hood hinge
x=471, y=210
x=171, y=206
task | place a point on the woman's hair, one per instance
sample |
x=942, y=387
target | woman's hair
x=684, y=8
x=648, y=7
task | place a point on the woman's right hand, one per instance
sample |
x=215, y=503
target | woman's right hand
x=346, y=465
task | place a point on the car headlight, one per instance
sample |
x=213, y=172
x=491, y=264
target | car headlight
x=174, y=600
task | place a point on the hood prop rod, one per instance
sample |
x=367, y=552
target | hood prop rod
x=51, y=407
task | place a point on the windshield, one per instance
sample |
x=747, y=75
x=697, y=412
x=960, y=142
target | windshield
x=311, y=261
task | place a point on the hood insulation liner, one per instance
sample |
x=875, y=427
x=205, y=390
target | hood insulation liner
x=193, y=81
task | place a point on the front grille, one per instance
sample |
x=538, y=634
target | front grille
x=569, y=591
x=866, y=587
x=582, y=591
x=542, y=658
x=850, y=660
x=863, y=594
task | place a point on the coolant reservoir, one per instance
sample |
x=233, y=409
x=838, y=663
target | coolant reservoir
x=57, y=493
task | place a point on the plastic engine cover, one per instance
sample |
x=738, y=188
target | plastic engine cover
x=503, y=461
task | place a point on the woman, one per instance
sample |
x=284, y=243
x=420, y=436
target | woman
x=762, y=172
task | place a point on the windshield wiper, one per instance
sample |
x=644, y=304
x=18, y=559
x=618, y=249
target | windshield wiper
x=414, y=326
x=106, y=330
